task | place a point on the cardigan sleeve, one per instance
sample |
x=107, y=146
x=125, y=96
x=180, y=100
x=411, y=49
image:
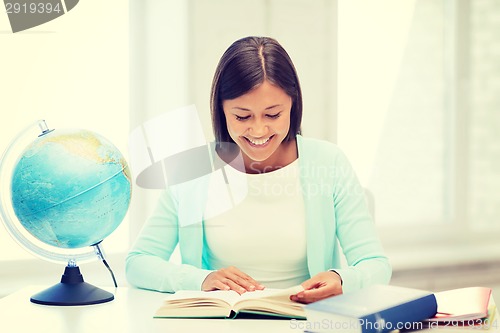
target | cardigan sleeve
x=147, y=263
x=356, y=232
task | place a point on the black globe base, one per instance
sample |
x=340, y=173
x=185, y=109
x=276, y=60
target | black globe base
x=72, y=290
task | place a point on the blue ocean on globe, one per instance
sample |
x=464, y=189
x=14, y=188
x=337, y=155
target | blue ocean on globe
x=71, y=188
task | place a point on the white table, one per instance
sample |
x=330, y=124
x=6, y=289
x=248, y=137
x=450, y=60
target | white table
x=131, y=311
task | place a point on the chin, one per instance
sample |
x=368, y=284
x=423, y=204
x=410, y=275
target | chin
x=257, y=158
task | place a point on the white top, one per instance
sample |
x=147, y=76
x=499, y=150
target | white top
x=265, y=234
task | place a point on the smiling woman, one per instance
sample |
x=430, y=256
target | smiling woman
x=256, y=102
x=259, y=123
x=245, y=66
x=277, y=238
x=408, y=93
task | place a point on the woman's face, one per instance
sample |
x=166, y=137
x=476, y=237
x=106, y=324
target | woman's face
x=258, y=122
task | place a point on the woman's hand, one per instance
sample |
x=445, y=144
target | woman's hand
x=230, y=278
x=322, y=285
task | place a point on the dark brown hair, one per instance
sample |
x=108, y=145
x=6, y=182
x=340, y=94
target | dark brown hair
x=247, y=63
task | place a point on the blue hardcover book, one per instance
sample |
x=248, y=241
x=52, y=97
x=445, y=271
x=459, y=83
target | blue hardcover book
x=375, y=309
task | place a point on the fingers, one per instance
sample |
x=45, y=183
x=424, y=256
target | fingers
x=239, y=278
x=230, y=278
x=219, y=285
x=313, y=295
x=320, y=286
x=237, y=287
x=244, y=280
x=313, y=284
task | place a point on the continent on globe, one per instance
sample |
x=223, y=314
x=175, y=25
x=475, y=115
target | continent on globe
x=71, y=188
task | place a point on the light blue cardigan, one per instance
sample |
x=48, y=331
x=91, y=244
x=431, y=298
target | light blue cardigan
x=336, y=213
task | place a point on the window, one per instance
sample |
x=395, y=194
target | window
x=418, y=112
x=394, y=114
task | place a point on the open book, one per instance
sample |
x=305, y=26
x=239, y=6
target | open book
x=467, y=305
x=228, y=304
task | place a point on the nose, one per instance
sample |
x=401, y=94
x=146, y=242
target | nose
x=258, y=128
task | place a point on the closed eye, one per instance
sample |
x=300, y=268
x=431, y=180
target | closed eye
x=241, y=118
x=274, y=116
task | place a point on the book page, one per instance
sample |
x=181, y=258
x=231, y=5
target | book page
x=271, y=301
x=228, y=297
x=190, y=303
x=462, y=304
x=277, y=294
x=218, y=303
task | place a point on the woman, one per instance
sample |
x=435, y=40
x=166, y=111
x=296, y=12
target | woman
x=302, y=198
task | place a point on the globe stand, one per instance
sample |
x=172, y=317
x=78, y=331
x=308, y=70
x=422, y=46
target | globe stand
x=72, y=290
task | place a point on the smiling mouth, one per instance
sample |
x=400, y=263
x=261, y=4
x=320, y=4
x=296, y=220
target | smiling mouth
x=258, y=142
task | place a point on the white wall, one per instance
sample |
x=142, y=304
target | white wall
x=73, y=72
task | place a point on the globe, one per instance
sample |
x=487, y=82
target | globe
x=68, y=190
x=71, y=188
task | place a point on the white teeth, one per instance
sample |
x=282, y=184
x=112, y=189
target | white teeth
x=258, y=142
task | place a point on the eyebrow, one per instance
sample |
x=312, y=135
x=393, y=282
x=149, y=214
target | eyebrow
x=266, y=109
